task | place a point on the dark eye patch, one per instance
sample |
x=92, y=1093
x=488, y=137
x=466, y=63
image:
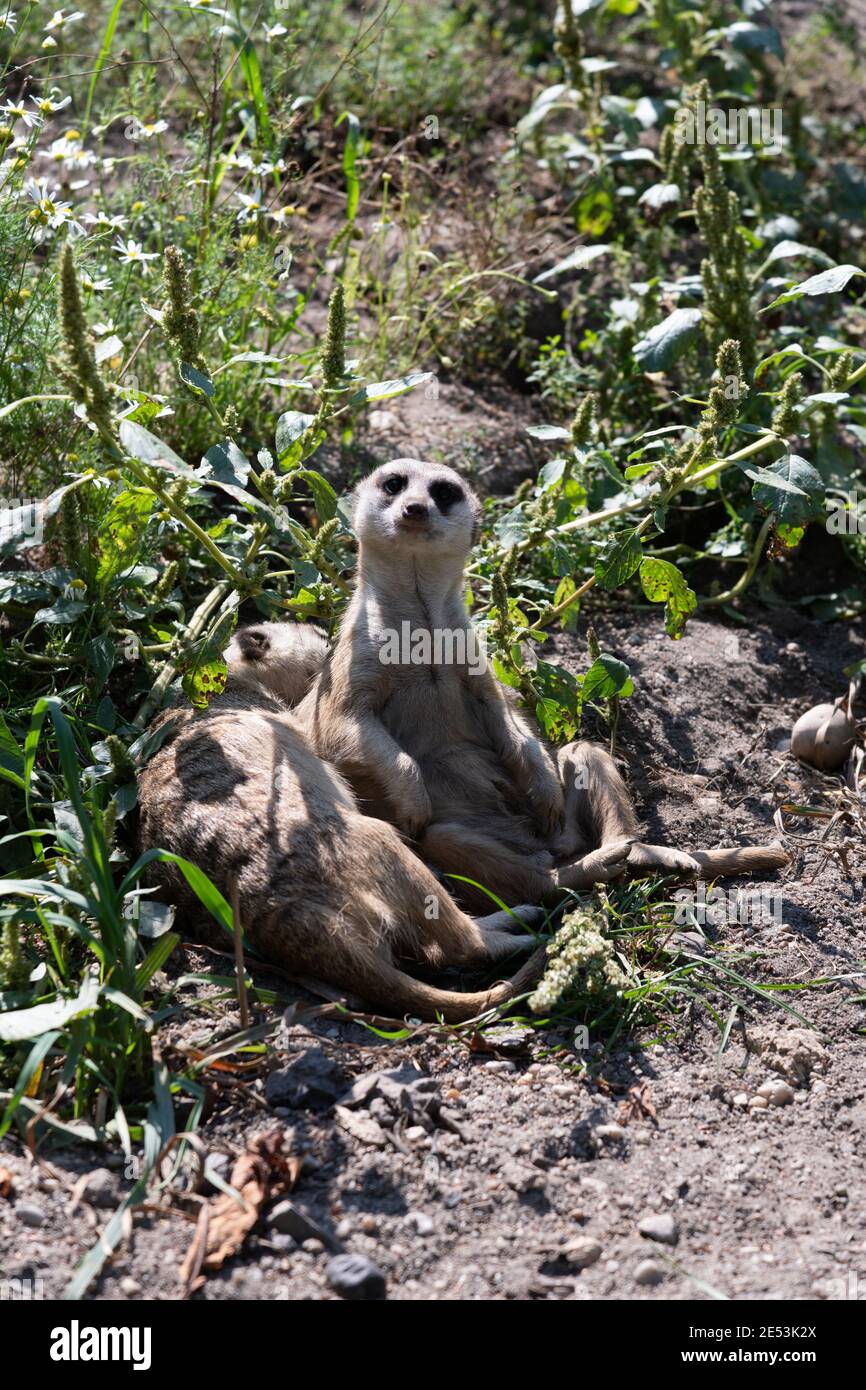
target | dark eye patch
x=445, y=494
x=394, y=484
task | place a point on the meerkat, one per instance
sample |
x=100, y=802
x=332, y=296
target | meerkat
x=438, y=747
x=281, y=659
x=324, y=891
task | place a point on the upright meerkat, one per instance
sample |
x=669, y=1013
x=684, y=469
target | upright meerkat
x=434, y=743
x=324, y=890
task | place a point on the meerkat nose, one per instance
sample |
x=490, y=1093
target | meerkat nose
x=415, y=509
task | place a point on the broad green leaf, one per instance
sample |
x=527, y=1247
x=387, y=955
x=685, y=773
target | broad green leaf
x=664, y=344
x=122, y=531
x=618, y=561
x=387, y=390
x=290, y=427
x=663, y=583
x=140, y=444
x=828, y=282
x=196, y=380
x=790, y=488
x=606, y=677
x=577, y=260
x=19, y=1024
x=326, y=497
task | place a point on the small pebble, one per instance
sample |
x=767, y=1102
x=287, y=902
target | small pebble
x=659, y=1227
x=648, y=1272
x=759, y=1103
x=369, y=1225
x=580, y=1253
x=30, y=1213
x=101, y=1189
x=777, y=1092
x=741, y=1099
x=421, y=1222
x=414, y=1133
x=129, y=1287
x=610, y=1134
x=355, y=1277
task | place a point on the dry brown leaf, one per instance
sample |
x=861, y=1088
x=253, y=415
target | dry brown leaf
x=6, y=1181
x=638, y=1105
x=224, y=1222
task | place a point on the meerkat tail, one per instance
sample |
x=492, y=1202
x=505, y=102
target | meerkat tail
x=740, y=859
x=402, y=994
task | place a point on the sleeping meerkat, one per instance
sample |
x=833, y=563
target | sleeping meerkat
x=283, y=659
x=430, y=740
x=324, y=891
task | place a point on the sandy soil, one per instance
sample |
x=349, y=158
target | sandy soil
x=535, y=1176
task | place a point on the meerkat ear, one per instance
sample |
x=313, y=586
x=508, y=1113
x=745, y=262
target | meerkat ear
x=254, y=643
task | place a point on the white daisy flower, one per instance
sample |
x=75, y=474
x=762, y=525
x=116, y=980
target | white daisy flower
x=98, y=286
x=252, y=206
x=8, y=21
x=46, y=106
x=16, y=111
x=60, y=19
x=133, y=254
x=274, y=31
x=145, y=130
x=50, y=210
x=281, y=215
x=101, y=219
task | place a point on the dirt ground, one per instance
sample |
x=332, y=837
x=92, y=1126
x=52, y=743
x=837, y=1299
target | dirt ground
x=533, y=1180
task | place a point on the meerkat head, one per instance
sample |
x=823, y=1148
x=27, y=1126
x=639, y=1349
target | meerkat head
x=280, y=658
x=416, y=508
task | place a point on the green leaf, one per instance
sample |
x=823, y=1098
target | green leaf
x=290, y=429
x=104, y=51
x=606, y=677
x=326, y=497
x=350, y=155
x=663, y=583
x=387, y=390
x=828, y=282
x=618, y=561
x=754, y=38
x=100, y=655
x=196, y=380
x=121, y=532
x=140, y=444
x=790, y=488
x=252, y=72
x=64, y=611
x=21, y=1024
x=665, y=344
x=513, y=528
x=577, y=260
x=225, y=463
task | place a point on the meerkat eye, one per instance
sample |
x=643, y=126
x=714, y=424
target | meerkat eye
x=445, y=494
x=394, y=484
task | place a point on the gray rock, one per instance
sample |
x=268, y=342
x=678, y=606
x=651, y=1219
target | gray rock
x=357, y=1278
x=420, y=1222
x=311, y=1082
x=30, y=1214
x=289, y=1220
x=662, y=1228
x=610, y=1134
x=101, y=1189
x=648, y=1272
x=580, y=1253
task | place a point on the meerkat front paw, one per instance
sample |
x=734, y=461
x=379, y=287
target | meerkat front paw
x=660, y=859
x=413, y=810
x=601, y=865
